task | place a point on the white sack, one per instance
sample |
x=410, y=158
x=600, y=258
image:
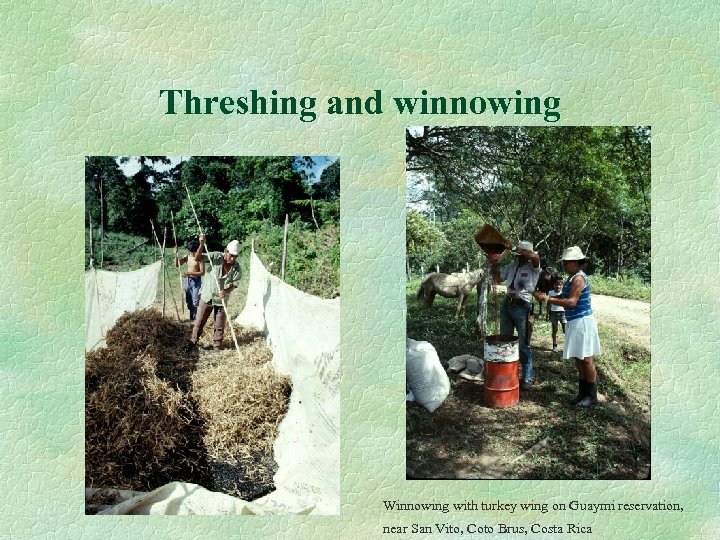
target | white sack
x=108, y=295
x=425, y=375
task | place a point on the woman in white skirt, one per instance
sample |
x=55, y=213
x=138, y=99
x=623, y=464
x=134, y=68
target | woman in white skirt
x=581, y=337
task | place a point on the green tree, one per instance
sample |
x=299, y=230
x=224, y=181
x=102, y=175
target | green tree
x=555, y=186
x=273, y=185
x=328, y=187
x=132, y=205
x=168, y=191
x=102, y=176
x=461, y=249
x=208, y=201
x=424, y=242
x=215, y=171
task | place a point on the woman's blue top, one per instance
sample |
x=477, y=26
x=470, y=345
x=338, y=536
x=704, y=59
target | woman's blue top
x=582, y=308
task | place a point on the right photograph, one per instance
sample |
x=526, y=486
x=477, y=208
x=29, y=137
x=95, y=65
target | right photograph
x=528, y=302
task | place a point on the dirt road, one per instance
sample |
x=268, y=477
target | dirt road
x=630, y=317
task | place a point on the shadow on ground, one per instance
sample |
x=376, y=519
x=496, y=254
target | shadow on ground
x=544, y=437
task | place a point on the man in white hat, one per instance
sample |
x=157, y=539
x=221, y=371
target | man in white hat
x=521, y=278
x=216, y=288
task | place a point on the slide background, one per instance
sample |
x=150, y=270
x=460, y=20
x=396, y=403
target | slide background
x=84, y=79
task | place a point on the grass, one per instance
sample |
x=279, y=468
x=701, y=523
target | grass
x=120, y=252
x=543, y=437
x=312, y=268
x=631, y=288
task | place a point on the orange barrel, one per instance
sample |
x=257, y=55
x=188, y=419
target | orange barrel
x=501, y=387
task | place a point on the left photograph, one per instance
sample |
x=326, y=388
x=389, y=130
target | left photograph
x=212, y=335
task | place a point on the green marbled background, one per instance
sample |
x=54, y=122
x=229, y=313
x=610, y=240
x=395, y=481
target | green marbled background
x=83, y=78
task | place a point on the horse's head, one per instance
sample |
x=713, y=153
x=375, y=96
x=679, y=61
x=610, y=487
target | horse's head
x=476, y=276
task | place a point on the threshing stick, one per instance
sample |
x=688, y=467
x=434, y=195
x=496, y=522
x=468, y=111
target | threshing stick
x=212, y=270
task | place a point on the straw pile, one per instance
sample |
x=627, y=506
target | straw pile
x=141, y=428
x=242, y=400
x=158, y=410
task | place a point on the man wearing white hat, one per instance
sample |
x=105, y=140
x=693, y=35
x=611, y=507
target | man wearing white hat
x=521, y=278
x=216, y=288
x=582, y=342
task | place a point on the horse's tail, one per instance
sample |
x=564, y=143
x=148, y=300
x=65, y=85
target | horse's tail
x=421, y=292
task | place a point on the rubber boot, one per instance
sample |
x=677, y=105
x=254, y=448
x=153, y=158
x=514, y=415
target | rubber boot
x=582, y=392
x=591, y=398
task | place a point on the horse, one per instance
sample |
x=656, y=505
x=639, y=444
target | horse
x=449, y=286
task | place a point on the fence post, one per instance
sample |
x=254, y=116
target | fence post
x=102, y=225
x=282, y=274
x=91, y=240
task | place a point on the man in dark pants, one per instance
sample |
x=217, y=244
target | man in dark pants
x=216, y=287
x=522, y=277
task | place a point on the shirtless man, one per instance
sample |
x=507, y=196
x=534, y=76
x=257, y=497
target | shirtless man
x=192, y=278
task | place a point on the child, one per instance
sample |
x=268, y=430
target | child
x=191, y=278
x=557, y=313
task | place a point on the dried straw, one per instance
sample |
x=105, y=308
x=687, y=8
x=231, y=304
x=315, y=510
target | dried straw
x=157, y=410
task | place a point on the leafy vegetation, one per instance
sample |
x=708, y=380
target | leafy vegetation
x=555, y=186
x=624, y=287
x=244, y=198
x=121, y=252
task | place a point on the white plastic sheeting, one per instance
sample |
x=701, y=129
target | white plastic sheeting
x=303, y=332
x=183, y=499
x=108, y=295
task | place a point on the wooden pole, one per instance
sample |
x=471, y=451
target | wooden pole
x=91, y=239
x=182, y=285
x=217, y=283
x=172, y=294
x=157, y=240
x=102, y=224
x=162, y=263
x=482, y=304
x=282, y=274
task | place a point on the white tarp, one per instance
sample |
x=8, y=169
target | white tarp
x=110, y=294
x=183, y=499
x=303, y=332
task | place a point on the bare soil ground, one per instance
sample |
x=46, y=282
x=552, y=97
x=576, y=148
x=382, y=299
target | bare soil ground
x=630, y=318
x=543, y=437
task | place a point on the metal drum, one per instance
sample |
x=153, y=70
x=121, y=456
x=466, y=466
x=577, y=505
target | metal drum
x=501, y=388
